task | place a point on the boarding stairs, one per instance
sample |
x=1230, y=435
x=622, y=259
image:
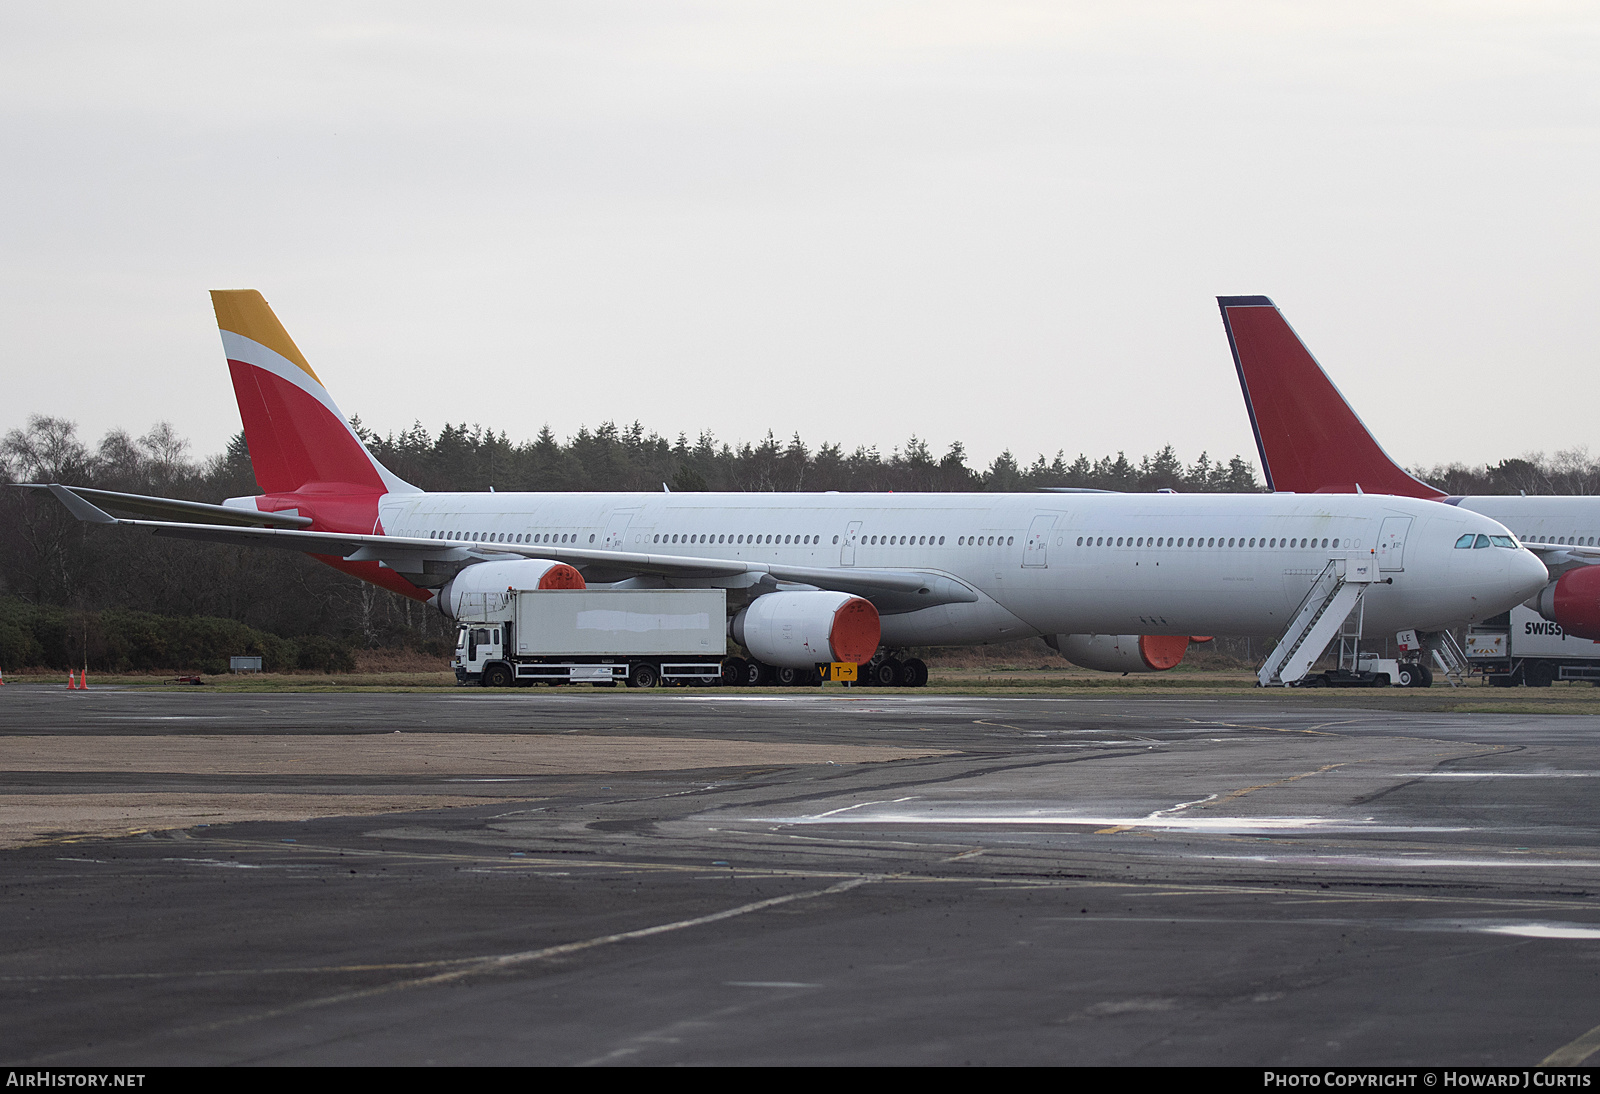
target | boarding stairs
x=1350, y=632
x=1449, y=656
x=1335, y=593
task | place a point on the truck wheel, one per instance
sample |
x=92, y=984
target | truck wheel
x=1539, y=674
x=643, y=676
x=497, y=676
x=1501, y=680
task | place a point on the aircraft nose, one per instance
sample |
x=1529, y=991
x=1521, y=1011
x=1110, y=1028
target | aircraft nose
x=1524, y=571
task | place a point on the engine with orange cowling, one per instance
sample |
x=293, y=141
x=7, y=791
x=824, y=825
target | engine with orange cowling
x=802, y=629
x=468, y=591
x=1123, y=653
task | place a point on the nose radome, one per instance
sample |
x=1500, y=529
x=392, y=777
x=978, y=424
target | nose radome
x=1526, y=572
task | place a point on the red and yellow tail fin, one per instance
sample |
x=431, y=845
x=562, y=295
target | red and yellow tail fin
x=296, y=434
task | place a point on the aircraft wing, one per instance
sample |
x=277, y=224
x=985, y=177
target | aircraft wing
x=891, y=590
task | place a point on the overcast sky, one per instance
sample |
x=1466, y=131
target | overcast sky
x=1004, y=224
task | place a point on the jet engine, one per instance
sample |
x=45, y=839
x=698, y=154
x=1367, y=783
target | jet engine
x=1123, y=652
x=483, y=581
x=802, y=629
x=1572, y=600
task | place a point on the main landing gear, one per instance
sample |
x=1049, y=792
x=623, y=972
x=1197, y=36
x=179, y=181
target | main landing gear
x=882, y=671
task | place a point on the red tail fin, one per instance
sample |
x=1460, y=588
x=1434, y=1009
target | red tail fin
x=1309, y=438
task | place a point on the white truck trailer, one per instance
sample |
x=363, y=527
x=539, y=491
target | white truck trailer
x=1523, y=647
x=640, y=637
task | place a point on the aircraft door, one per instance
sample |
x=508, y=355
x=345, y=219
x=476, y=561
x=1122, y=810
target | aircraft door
x=1392, y=543
x=1035, y=552
x=847, y=553
x=617, y=530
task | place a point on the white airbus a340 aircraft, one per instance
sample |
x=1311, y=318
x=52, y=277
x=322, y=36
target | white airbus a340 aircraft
x=837, y=573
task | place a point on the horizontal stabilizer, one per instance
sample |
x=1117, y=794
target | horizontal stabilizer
x=141, y=505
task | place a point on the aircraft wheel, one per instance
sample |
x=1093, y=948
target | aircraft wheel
x=914, y=673
x=756, y=674
x=886, y=674
x=1406, y=677
x=1424, y=676
x=788, y=677
x=644, y=676
x=735, y=671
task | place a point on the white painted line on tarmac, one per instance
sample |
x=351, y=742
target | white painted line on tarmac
x=1544, y=930
x=1034, y=818
x=1497, y=774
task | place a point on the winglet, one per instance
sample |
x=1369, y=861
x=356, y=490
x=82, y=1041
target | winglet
x=79, y=508
x=1309, y=439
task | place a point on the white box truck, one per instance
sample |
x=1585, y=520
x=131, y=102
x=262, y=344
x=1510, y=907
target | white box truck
x=1523, y=647
x=640, y=637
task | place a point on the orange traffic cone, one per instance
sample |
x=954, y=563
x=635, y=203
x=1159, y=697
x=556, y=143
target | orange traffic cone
x=72, y=681
x=83, y=680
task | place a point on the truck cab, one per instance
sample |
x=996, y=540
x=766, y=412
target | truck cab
x=478, y=647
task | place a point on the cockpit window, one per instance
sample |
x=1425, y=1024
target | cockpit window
x=1464, y=543
x=1503, y=541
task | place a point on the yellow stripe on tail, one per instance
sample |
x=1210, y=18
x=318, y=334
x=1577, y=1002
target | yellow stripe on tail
x=245, y=312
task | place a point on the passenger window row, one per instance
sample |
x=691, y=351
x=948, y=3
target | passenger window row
x=1561, y=541
x=1204, y=541
x=708, y=538
x=509, y=537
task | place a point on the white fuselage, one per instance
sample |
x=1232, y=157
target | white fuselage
x=1039, y=563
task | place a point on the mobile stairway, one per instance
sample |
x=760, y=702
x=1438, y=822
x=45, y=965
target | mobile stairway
x=1449, y=656
x=1335, y=593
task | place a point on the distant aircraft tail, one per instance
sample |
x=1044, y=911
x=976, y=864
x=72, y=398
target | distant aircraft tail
x=297, y=436
x=1309, y=439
